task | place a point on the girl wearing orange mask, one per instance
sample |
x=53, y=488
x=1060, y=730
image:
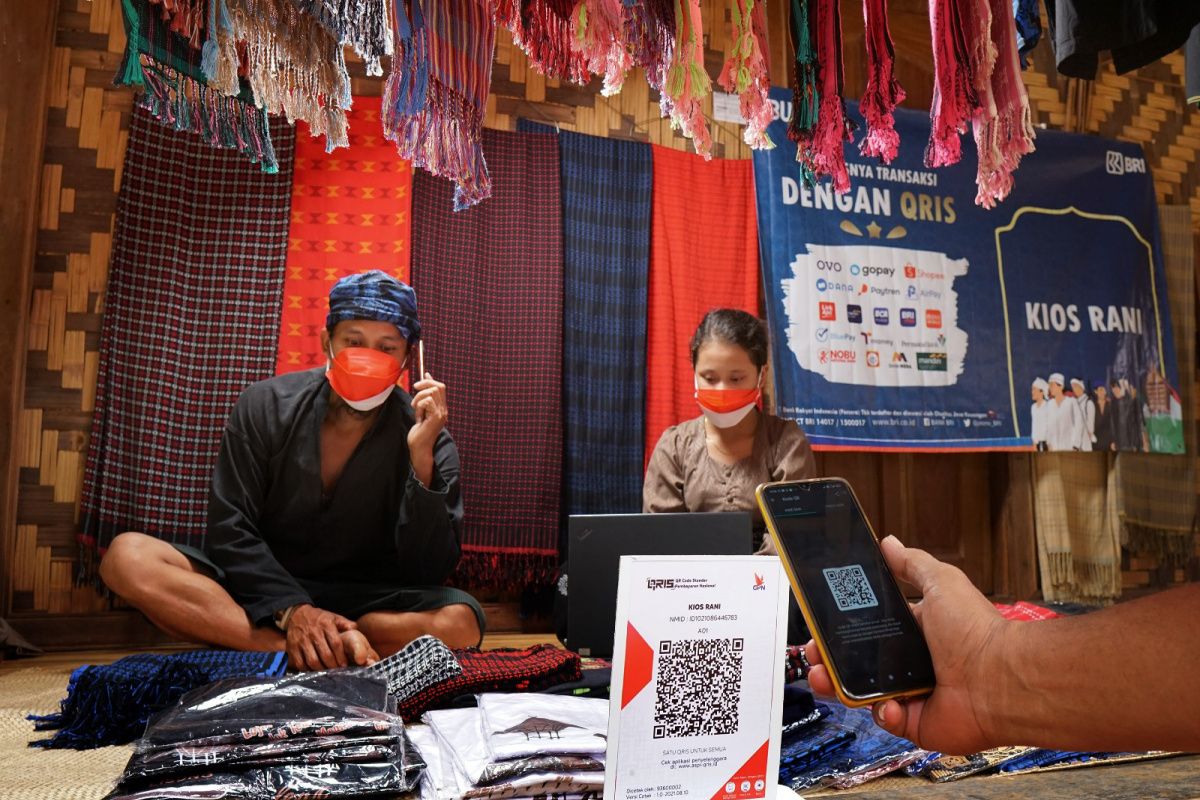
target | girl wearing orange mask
x=715, y=461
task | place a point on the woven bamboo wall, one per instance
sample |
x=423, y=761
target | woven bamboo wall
x=86, y=136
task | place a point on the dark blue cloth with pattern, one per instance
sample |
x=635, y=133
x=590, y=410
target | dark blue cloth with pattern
x=378, y=296
x=111, y=703
x=606, y=186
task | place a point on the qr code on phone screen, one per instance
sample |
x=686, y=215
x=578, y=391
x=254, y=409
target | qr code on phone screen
x=699, y=687
x=850, y=587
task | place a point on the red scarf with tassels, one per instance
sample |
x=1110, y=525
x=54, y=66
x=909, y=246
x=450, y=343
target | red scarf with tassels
x=883, y=92
x=1003, y=127
x=542, y=29
x=826, y=156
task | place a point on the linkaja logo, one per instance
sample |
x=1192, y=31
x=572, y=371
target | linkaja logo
x=1119, y=163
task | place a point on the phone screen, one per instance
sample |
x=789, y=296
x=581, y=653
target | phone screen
x=863, y=620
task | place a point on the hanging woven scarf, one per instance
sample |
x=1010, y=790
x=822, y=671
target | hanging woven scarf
x=1003, y=128
x=543, y=29
x=953, y=90
x=176, y=94
x=295, y=65
x=687, y=82
x=826, y=155
x=365, y=25
x=186, y=18
x=883, y=92
x=433, y=103
x=599, y=35
x=806, y=96
x=747, y=72
x=650, y=37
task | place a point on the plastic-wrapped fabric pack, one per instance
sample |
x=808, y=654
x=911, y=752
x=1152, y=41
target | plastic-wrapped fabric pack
x=845, y=749
x=328, y=734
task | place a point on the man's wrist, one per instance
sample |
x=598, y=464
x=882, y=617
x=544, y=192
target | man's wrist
x=283, y=617
x=998, y=689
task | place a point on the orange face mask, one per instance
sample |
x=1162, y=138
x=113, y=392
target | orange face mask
x=363, y=377
x=727, y=407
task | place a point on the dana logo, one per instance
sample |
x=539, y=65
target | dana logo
x=759, y=584
x=853, y=314
x=872, y=358
x=822, y=334
x=833, y=286
x=908, y=317
x=933, y=318
x=1119, y=163
x=660, y=583
x=828, y=311
x=821, y=285
x=910, y=271
x=931, y=362
x=882, y=317
x=912, y=292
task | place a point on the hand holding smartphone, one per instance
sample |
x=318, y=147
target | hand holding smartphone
x=866, y=633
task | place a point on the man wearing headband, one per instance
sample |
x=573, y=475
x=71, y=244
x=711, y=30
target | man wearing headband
x=334, y=513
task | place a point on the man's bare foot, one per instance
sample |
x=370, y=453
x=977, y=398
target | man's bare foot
x=358, y=649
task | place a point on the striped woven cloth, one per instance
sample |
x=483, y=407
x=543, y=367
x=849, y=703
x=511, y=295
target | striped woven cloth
x=606, y=187
x=703, y=255
x=191, y=316
x=489, y=283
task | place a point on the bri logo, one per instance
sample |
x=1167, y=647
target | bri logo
x=1119, y=164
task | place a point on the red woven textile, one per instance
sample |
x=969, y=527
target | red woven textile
x=1027, y=612
x=703, y=255
x=489, y=284
x=351, y=212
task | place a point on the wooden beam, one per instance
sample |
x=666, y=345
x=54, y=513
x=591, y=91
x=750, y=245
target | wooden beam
x=26, y=48
x=1014, y=558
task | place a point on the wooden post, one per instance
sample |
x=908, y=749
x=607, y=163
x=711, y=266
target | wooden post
x=26, y=46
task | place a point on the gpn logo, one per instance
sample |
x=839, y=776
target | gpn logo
x=759, y=584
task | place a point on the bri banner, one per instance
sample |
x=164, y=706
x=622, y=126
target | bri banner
x=905, y=317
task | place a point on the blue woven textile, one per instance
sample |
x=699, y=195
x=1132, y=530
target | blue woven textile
x=1047, y=758
x=606, y=255
x=870, y=745
x=110, y=704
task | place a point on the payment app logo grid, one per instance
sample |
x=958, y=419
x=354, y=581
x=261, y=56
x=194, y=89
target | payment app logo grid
x=850, y=588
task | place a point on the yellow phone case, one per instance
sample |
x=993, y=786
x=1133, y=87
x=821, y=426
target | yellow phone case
x=843, y=695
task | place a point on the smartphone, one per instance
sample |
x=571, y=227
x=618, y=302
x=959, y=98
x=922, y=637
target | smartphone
x=863, y=626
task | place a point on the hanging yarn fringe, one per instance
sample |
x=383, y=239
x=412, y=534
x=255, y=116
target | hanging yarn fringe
x=953, y=86
x=687, y=83
x=169, y=72
x=433, y=102
x=650, y=36
x=186, y=18
x=295, y=65
x=1005, y=133
x=747, y=73
x=544, y=30
x=826, y=155
x=599, y=36
x=365, y=25
x=806, y=95
x=883, y=92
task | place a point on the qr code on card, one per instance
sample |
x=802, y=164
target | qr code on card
x=850, y=587
x=699, y=687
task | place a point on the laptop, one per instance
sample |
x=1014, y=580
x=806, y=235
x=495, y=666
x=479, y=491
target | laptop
x=596, y=542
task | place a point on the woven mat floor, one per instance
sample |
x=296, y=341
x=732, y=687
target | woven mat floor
x=30, y=773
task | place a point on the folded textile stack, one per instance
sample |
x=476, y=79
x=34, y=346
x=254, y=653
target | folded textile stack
x=840, y=747
x=514, y=746
x=320, y=734
x=109, y=704
x=1009, y=760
